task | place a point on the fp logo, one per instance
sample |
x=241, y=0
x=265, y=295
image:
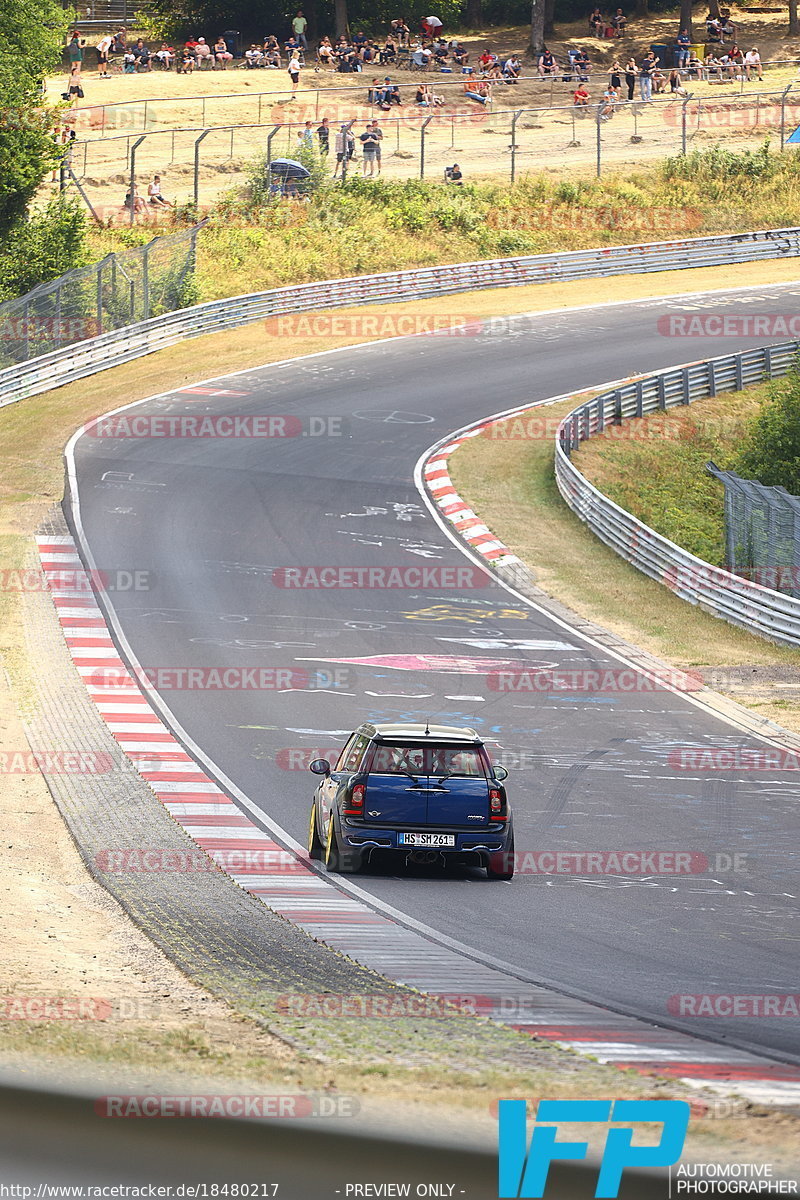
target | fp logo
x=523, y=1171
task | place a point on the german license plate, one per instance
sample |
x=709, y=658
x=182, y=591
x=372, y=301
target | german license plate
x=427, y=839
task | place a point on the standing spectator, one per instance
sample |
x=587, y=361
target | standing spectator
x=615, y=71
x=631, y=71
x=299, y=27
x=293, y=70
x=103, y=50
x=377, y=134
x=369, y=145
x=75, y=88
x=120, y=41
x=681, y=51
x=306, y=136
x=646, y=68
x=324, y=135
x=221, y=52
x=75, y=50
x=752, y=62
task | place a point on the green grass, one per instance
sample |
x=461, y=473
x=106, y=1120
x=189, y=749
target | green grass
x=378, y=225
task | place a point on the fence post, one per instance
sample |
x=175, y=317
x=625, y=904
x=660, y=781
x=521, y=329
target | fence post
x=423, y=127
x=132, y=206
x=599, y=141
x=270, y=136
x=683, y=124
x=514, y=120
x=146, y=283
x=787, y=89
x=260, y=96
x=204, y=134
x=100, y=296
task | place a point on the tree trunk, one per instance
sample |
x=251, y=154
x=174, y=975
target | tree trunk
x=474, y=14
x=549, y=18
x=713, y=8
x=642, y=8
x=341, y=17
x=686, y=18
x=794, y=28
x=537, y=26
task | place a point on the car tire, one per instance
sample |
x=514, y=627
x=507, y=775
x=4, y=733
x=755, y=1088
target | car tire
x=501, y=863
x=316, y=850
x=344, y=862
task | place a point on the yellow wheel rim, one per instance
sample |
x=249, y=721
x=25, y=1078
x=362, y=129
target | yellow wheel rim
x=311, y=825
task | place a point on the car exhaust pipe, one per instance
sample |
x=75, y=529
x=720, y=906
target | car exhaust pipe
x=424, y=857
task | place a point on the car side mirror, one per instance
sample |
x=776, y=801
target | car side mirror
x=320, y=766
x=500, y=773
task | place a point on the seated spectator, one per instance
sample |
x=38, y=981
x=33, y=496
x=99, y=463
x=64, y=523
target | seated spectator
x=254, y=57
x=272, y=58
x=460, y=55
x=186, y=62
x=400, y=31
x=389, y=52
x=119, y=42
x=580, y=97
x=512, y=69
x=659, y=80
x=712, y=66
x=480, y=91
x=597, y=22
x=359, y=41
x=420, y=57
x=582, y=65
x=547, y=64
x=165, y=55
x=134, y=202
x=440, y=52
x=676, y=84
x=619, y=22
x=129, y=62
x=695, y=66
x=325, y=53
x=453, y=175
x=141, y=56
x=154, y=194
x=391, y=94
x=728, y=29
x=752, y=62
x=735, y=59
x=221, y=53
x=291, y=47
x=713, y=29
x=203, y=52
x=609, y=103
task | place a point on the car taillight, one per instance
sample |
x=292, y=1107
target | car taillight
x=356, y=808
x=496, y=805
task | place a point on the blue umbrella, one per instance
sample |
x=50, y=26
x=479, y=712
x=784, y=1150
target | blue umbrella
x=287, y=168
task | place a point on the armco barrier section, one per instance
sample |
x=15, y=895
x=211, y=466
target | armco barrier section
x=755, y=608
x=145, y=337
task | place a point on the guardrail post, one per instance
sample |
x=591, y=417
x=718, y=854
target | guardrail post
x=639, y=398
x=601, y=420
x=423, y=127
x=514, y=120
x=131, y=205
x=662, y=393
x=712, y=379
x=270, y=136
x=784, y=93
x=617, y=407
x=196, y=191
x=738, y=365
x=685, y=397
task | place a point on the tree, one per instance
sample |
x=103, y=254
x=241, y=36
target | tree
x=549, y=18
x=474, y=13
x=794, y=26
x=537, y=26
x=340, y=22
x=771, y=450
x=686, y=18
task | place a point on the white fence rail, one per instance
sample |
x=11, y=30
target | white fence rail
x=740, y=601
x=145, y=337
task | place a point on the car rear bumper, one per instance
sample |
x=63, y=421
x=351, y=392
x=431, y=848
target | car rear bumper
x=472, y=841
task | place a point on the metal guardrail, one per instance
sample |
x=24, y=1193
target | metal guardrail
x=740, y=601
x=145, y=337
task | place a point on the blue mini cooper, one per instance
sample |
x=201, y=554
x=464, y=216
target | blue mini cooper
x=428, y=793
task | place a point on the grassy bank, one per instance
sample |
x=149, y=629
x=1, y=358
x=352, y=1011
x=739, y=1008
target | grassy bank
x=369, y=225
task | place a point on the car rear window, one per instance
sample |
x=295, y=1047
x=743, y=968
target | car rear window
x=388, y=759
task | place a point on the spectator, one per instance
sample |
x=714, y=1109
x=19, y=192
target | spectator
x=75, y=50
x=619, y=22
x=582, y=65
x=609, y=104
x=547, y=64
x=695, y=66
x=400, y=31
x=129, y=61
x=103, y=50
x=735, y=59
x=293, y=71
x=615, y=72
x=186, y=61
x=165, y=55
x=377, y=134
x=134, y=202
x=597, y=22
x=325, y=53
x=712, y=66
x=713, y=29
x=420, y=57
x=659, y=79
x=631, y=71
x=752, y=62
x=369, y=147
x=324, y=137
x=305, y=136
x=389, y=52
x=254, y=57
x=580, y=97
x=728, y=28
x=221, y=53
x=676, y=84
x=480, y=92
x=272, y=58
x=299, y=27
x=453, y=175
x=154, y=193
x=203, y=52
x=391, y=94
x=141, y=56
x=119, y=42
x=680, y=55
x=511, y=69
x=646, y=68
x=75, y=85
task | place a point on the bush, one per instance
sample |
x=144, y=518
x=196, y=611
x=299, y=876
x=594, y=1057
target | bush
x=43, y=247
x=771, y=451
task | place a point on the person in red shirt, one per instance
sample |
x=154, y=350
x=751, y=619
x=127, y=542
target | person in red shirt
x=580, y=97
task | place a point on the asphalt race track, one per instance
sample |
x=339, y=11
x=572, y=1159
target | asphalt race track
x=213, y=518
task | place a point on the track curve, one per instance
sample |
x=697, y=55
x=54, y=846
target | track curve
x=211, y=519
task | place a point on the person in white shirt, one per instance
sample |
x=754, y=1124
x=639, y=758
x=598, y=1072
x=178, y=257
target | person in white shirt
x=154, y=193
x=752, y=62
x=294, y=73
x=103, y=49
x=203, y=51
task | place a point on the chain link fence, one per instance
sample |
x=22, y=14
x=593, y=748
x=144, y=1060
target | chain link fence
x=762, y=532
x=120, y=289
